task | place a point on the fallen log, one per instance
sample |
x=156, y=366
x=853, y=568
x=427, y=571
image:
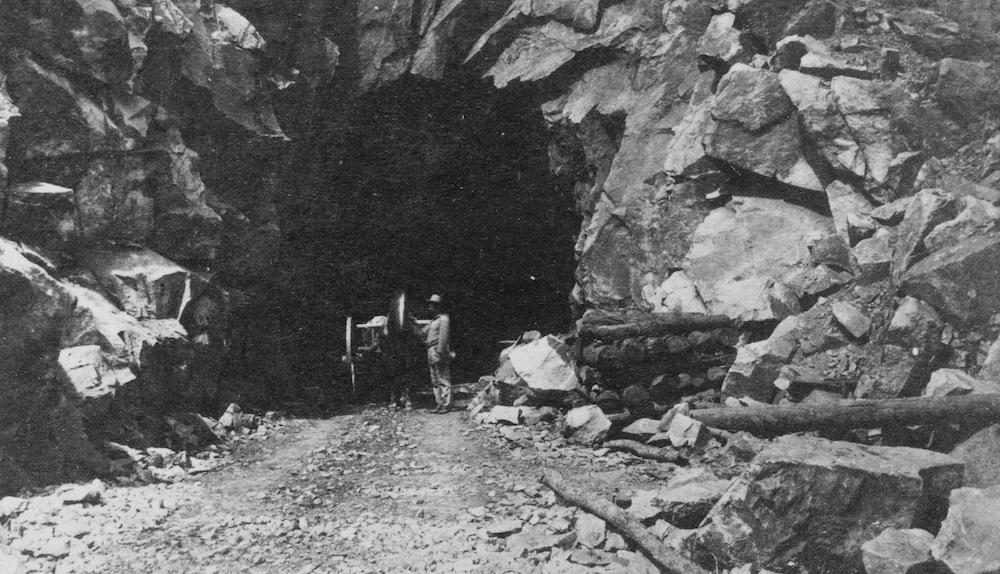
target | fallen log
x=853, y=414
x=653, y=325
x=665, y=558
x=646, y=451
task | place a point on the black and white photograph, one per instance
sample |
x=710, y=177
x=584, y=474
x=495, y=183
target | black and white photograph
x=500, y=286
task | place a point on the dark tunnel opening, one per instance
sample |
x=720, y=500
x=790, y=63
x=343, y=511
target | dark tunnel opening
x=434, y=187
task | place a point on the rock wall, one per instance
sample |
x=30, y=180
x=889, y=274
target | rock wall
x=723, y=140
x=116, y=255
x=744, y=158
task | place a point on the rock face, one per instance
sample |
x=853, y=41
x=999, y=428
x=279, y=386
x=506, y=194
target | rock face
x=740, y=257
x=106, y=360
x=969, y=540
x=789, y=504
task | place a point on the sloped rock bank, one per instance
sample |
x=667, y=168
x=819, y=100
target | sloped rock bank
x=102, y=331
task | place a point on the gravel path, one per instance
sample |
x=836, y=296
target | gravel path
x=371, y=491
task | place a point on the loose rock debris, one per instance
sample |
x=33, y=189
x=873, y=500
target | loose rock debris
x=378, y=490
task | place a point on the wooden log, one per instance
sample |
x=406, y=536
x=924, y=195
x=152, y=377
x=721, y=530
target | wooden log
x=664, y=558
x=646, y=451
x=857, y=414
x=653, y=325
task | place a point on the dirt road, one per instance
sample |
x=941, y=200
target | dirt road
x=373, y=490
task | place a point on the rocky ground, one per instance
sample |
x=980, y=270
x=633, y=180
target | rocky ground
x=373, y=490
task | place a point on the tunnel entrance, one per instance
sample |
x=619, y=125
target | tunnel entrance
x=435, y=187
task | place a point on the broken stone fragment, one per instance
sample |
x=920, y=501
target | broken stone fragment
x=686, y=431
x=687, y=504
x=89, y=493
x=892, y=213
x=534, y=539
x=959, y=280
x=977, y=217
x=503, y=528
x=11, y=506
x=981, y=455
x=859, y=226
x=679, y=295
x=965, y=90
x=865, y=107
x=744, y=446
x=535, y=415
x=615, y=542
x=767, y=18
x=642, y=429
x=590, y=557
x=753, y=98
x=57, y=547
x=817, y=19
x=874, y=257
x=810, y=56
x=587, y=425
x=990, y=369
x=721, y=39
x=891, y=371
x=851, y=318
x=757, y=365
x=933, y=35
x=929, y=208
x=788, y=505
x=898, y=551
x=545, y=365
x=954, y=382
x=590, y=530
x=914, y=323
x=969, y=539
x=144, y=283
x=92, y=373
x=642, y=506
x=501, y=414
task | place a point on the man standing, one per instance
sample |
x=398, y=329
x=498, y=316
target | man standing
x=438, y=340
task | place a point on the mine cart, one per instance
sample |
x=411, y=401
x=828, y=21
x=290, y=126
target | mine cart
x=367, y=353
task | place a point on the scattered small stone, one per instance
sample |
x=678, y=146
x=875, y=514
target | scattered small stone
x=897, y=551
x=501, y=414
x=642, y=429
x=55, y=548
x=589, y=557
x=503, y=528
x=615, y=542
x=89, y=493
x=587, y=425
x=590, y=530
x=851, y=318
x=11, y=506
x=686, y=431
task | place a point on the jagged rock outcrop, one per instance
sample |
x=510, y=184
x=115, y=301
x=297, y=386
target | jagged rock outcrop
x=100, y=194
x=70, y=354
x=783, y=509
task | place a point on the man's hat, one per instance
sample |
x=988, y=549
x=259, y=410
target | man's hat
x=434, y=299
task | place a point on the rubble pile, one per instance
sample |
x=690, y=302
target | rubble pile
x=795, y=216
